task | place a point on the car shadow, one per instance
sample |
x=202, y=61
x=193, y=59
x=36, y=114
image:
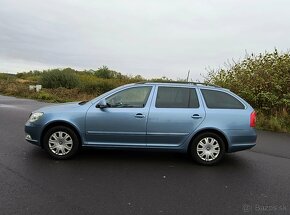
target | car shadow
x=141, y=157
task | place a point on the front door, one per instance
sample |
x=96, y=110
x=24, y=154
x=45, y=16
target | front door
x=123, y=122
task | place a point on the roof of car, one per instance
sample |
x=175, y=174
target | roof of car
x=181, y=83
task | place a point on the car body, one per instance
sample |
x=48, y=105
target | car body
x=204, y=121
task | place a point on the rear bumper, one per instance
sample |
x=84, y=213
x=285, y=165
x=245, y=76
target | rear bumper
x=32, y=133
x=240, y=147
x=241, y=139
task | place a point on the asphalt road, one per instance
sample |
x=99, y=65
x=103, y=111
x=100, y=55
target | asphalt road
x=137, y=182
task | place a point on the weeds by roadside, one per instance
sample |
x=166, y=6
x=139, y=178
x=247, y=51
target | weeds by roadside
x=280, y=123
x=18, y=89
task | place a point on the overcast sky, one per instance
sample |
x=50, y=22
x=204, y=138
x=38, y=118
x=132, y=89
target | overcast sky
x=152, y=38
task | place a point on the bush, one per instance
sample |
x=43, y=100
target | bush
x=263, y=80
x=56, y=78
x=106, y=73
x=32, y=76
x=7, y=77
x=92, y=84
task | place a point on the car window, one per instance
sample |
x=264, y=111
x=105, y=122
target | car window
x=176, y=97
x=130, y=98
x=220, y=100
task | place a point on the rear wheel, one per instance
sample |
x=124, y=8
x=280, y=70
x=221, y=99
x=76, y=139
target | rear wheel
x=207, y=148
x=61, y=142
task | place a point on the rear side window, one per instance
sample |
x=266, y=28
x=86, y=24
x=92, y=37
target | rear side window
x=176, y=97
x=221, y=100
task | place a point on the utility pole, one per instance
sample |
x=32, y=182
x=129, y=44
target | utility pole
x=187, y=75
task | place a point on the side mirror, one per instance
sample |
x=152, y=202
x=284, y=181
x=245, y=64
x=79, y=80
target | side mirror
x=102, y=104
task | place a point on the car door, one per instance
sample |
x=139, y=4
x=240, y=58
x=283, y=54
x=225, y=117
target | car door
x=175, y=113
x=123, y=122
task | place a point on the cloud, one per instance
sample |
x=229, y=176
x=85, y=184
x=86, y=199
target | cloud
x=151, y=38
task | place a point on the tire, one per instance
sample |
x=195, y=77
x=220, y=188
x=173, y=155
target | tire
x=61, y=142
x=207, y=148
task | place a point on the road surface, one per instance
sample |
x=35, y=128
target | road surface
x=255, y=181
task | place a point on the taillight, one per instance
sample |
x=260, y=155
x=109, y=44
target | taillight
x=253, y=117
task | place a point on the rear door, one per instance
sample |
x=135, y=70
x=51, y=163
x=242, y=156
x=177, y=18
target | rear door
x=174, y=114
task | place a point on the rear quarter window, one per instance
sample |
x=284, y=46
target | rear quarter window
x=220, y=100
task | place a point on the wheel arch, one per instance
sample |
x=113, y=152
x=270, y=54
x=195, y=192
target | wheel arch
x=60, y=123
x=212, y=130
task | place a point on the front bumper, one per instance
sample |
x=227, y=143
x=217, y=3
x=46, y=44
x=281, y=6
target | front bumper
x=32, y=133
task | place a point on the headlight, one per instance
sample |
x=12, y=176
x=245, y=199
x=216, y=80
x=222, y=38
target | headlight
x=35, y=116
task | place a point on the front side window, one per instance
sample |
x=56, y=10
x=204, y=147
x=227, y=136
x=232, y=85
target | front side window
x=220, y=100
x=130, y=98
x=176, y=97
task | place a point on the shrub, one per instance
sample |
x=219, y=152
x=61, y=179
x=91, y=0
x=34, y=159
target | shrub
x=56, y=78
x=91, y=84
x=7, y=77
x=279, y=123
x=263, y=80
x=105, y=72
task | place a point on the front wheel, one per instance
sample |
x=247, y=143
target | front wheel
x=61, y=142
x=207, y=148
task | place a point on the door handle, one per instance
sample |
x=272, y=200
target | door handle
x=139, y=115
x=196, y=116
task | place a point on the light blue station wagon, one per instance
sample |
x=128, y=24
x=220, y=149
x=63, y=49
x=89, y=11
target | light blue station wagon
x=205, y=121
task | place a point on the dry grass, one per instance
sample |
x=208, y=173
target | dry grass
x=20, y=89
x=22, y=81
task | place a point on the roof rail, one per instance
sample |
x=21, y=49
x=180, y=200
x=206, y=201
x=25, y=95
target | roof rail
x=179, y=82
x=206, y=84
